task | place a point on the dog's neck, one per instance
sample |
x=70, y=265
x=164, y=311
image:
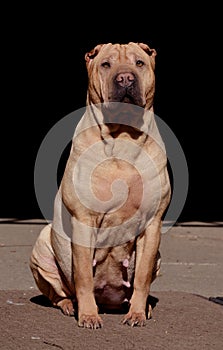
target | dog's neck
x=109, y=133
x=121, y=117
x=126, y=122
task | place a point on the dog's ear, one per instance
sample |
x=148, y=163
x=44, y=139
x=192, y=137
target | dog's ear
x=151, y=52
x=147, y=49
x=89, y=56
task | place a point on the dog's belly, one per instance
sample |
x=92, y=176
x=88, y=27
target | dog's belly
x=113, y=275
x=109, y=297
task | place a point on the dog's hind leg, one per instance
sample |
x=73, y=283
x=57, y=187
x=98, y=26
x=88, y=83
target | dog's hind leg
x=47, y=274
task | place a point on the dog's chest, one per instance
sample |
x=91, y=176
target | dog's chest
x=117, y=185
x=122, y=182
x=117, y=192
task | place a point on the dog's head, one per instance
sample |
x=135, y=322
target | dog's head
x=121, y=73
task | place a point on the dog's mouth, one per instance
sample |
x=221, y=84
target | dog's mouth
x=125, y=98
x=118, y=104
x=128, y=99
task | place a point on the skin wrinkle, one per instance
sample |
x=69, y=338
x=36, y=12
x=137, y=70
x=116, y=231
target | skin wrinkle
x=105, y=248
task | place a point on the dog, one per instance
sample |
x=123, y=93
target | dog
x=101, y=250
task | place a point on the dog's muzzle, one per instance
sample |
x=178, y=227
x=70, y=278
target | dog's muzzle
x=125, y=88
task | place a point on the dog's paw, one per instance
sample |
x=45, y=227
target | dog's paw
x=135, y=319
x=66, y=307
x=90, y=321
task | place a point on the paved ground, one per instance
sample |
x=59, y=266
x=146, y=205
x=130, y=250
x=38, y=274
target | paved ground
x=183, y=316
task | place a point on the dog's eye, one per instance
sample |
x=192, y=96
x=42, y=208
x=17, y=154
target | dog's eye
x=106, y=64
x=139, y=63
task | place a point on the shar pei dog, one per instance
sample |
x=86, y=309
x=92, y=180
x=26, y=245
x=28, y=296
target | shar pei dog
x=101, y=250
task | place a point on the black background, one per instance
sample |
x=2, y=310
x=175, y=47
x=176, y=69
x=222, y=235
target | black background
x=44, y=78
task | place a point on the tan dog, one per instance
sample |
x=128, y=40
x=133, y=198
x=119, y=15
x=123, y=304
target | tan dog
x=102, y=249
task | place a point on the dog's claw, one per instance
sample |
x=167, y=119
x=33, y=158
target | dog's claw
x=135, y=319
x=149, y=315
x=90, y=321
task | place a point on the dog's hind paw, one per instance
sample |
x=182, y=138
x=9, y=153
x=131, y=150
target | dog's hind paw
x=66, y=307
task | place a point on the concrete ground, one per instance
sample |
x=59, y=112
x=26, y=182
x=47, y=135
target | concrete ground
x=192, y=267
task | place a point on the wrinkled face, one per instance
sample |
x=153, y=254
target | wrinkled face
x=121, y=73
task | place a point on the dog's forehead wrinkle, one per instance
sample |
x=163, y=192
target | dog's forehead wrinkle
x=120, y=53
x=111, y=50
x=112, y=57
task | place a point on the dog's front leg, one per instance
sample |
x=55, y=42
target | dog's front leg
x=145, y=270
x=84, y=285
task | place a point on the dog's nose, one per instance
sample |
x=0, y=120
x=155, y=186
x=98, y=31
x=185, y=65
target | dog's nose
x=125, y=79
